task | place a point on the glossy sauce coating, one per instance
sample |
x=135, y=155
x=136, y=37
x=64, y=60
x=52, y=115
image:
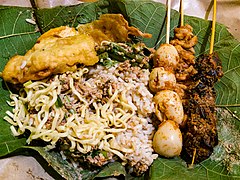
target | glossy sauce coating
x=161, y=79
x=167, y=141
x=168, y=105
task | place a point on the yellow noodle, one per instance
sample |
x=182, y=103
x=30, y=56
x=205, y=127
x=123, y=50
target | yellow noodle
x=71, y=83
x=54, y=98
x=85, y=130
x=107, y=147
x=10, y=120
x=116, y=146
x=83, y=110
x=38, y=93
x=15, y=133
x=110, y=90
x=73, y=143
x=15, y=101
x=40, y=134
x=110, y=117
x=56, y=118
x=18, y=114
x=42, y=121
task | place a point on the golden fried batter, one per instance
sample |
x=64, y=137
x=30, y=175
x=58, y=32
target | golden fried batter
x=110, y=27
x=61, y=49
x=61, y=32
x=55, y=52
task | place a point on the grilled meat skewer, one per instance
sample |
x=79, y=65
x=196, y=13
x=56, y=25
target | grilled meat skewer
x=200, y=132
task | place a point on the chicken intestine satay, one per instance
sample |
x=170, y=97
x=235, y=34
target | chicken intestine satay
x=184, y=42
x=198, y=75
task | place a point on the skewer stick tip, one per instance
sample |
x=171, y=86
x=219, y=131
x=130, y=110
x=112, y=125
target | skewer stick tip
x=181, y=13
x=213, y=26
x=193, y=158
x=168, y=21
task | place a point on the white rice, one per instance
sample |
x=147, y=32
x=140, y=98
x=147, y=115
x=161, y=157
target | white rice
x=140, y=130
x=131, y=142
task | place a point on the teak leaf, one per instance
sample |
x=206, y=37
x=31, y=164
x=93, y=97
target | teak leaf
x=17, y=36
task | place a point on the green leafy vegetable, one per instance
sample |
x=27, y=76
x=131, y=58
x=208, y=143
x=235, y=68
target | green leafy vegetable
x=17, y=36
x=112, y=53
x=59, y=102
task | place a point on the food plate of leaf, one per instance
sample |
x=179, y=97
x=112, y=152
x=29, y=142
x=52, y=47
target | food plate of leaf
x=18, y=35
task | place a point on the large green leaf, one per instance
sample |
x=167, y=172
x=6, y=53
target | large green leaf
x=70, y=15
x=165, y=169
x=17, y=36
x=63, y=167
x=112, y=169
x=223, y=164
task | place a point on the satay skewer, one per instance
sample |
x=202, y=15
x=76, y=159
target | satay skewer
x=200, y=132
x=166, y=55
x=167, y=140
x=181, y=9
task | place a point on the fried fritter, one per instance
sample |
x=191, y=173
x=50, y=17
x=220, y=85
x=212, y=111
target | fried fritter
x=61, y=49
x=57, y=51
x=61, y=32
x=110, y=27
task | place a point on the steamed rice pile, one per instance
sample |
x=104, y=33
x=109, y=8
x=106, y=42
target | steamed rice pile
x=94, y=108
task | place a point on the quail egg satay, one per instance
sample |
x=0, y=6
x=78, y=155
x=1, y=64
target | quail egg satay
x=161, y=79
x=168, y=105
x=166, y=56
x=167, y=141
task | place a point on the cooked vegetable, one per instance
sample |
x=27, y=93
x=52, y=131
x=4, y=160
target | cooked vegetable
x=111, y=52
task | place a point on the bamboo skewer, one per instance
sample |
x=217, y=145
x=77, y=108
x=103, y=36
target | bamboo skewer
x=213, y=26
x=181, y=13
x=168, y=21
x=193, y=158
